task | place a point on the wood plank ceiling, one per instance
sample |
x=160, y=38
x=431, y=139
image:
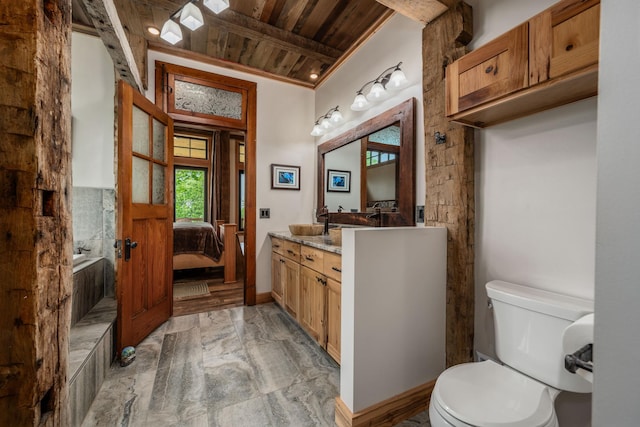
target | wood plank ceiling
x=290, y=39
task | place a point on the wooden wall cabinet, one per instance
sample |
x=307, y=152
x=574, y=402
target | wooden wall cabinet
x=548, y=61
x=306, y=283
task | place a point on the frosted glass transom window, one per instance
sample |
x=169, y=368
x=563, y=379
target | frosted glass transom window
x=207, y=100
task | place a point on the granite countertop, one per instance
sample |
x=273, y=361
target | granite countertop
x=319, y=242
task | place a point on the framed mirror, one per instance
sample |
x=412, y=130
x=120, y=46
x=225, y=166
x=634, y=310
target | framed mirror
x=371, y=169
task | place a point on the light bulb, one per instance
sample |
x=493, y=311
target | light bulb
x=360, y=103
x=216, y=6
x=397, y=80
x=191, y=17
x=171, y=32
x=317, y=130
x=377, y=92
x=336, y=117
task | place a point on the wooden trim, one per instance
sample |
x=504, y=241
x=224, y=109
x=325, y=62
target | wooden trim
x=264, y=298
x=228, y=235
x=388, y=412
x=205, y=59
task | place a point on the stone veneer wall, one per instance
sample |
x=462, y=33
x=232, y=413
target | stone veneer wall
x=94, y=228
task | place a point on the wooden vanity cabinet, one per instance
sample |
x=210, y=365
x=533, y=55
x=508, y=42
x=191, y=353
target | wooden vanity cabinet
x=306, y=283
x=285, y=274
x=548, y=61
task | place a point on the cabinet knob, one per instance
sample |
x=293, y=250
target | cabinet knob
x=308, y=258
x=569, y=47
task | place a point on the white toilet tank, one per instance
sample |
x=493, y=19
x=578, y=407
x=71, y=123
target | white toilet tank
x=529, y=324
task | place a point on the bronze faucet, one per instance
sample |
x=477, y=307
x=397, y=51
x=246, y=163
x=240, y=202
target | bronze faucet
x=377, y=214
x=324, y=213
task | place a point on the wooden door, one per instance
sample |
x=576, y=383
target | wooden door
x=334, y=318
x=291, y=279
x=312, y=303
x=145, y=217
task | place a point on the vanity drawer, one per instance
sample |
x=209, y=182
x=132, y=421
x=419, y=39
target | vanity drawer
x=312, y=258
x=333, y=266
x=292, y=250
x=277, y=245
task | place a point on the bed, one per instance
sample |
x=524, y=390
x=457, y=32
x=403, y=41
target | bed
x=200, y=245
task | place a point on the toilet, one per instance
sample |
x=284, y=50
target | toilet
x=530, y=328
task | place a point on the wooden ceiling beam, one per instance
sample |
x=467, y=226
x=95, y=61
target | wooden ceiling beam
x=105, y=19
x=256, y=29
x=423, y=11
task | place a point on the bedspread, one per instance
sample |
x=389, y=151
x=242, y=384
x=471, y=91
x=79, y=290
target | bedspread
x=196, y=238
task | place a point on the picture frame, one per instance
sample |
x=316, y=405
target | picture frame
x=285, y=177
x=338, y=181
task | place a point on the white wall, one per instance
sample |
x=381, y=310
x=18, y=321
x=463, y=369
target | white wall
x=617, y=342
x=285, y=114
x=400, y=39
x=92, y=108
x=535, y=197
x=393, y=311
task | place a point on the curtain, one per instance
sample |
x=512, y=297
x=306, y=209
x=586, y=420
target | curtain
x=221, y=171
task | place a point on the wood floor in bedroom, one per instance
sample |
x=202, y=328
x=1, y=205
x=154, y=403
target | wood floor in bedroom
x=220, y=296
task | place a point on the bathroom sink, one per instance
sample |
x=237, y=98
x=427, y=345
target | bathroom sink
x=306, y=229
x=335, y=234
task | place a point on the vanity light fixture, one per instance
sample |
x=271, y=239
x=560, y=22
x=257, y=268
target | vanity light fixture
x=191, y=17
x=393, y=78
x=324, y=123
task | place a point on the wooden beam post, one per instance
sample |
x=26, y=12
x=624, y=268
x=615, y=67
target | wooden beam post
x=35, y=222
x=105, y=18
x=450, y=175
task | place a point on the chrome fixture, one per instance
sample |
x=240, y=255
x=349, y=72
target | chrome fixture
x=191, y=17
x=326, y=122
x=392, y=78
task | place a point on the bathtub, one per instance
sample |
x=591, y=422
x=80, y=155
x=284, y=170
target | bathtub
x=88, y=285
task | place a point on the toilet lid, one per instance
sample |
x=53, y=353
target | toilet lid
x=491, y=395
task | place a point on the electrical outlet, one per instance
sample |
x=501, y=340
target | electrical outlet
x=265, y=213
x=420, y=213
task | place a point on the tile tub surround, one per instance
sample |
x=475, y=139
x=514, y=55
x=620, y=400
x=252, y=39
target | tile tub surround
x=88, y=287
x=91, y=352
x=244, y=366
x=94, y=227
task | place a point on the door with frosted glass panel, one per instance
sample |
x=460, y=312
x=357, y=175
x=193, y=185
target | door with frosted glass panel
x=144, y=242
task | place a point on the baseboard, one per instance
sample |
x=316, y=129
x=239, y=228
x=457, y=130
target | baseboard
x=388, y=412
x=264, y=298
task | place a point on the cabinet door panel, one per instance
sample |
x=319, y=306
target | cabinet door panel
x=277, y=290
x=490, y=72
x=312, y=304
x=334, y=318
x=575, y=42
x=291, y=279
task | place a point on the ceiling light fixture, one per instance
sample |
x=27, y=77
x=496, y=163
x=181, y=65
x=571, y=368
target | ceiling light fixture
x=392, y=78
x=153, y=30
x=216, y=6
x=326, y=122
x=190, y=16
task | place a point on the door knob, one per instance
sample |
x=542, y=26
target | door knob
x=128, y=245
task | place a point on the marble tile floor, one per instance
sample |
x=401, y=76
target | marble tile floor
x=243, y=366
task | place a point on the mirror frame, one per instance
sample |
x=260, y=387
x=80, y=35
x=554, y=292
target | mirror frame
x=405, y=114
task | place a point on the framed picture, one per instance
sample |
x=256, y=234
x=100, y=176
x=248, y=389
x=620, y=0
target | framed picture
x=338, y=181
x=285, y=177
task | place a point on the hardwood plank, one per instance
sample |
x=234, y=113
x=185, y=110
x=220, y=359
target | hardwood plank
x=423, y=11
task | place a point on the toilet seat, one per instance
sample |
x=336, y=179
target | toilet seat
x=491, y=395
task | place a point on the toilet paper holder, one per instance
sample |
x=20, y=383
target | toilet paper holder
x=581, y=359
